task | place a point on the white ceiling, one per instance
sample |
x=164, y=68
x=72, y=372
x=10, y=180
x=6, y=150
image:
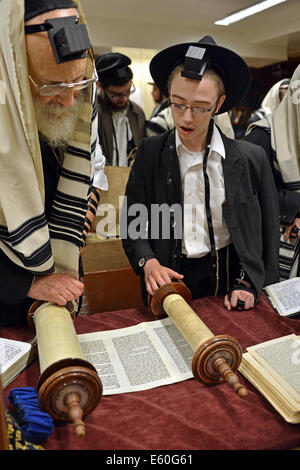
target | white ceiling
x=271, y=36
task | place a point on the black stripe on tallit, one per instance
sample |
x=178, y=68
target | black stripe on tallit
x=154, y=127
x=38, y=257
x=287, y=259
x=67, y=236
x=69, y=210
x=61, y=218
x=75, y=176
x=78, y=152
x=73, y=201
x=23, y=231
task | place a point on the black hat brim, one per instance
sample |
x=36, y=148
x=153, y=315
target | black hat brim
x=235, y=70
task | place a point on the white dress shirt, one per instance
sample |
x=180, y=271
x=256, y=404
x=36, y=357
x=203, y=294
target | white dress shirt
x=195, y=240
x=123, y=136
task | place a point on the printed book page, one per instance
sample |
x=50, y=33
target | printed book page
x=139, y=357
x=281, y=358
x=267, y=385
x=285, y=296
x=14, y=357
x=11, y=351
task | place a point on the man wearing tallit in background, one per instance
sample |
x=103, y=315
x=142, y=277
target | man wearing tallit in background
x=51, y=165
x=271, y=101
x=279, y=135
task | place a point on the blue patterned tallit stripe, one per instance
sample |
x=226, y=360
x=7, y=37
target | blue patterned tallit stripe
x=24, y=231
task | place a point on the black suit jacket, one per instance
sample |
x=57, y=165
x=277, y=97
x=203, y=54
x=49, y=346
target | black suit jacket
x=251, y=208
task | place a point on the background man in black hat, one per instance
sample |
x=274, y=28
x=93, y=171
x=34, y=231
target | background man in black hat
x=219, y=192
x=121, y=122
x=47, y=165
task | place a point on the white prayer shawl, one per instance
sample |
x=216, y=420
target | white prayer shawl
x=286, y=134
x=272, y=99
x=26, y=237
x=284, y=126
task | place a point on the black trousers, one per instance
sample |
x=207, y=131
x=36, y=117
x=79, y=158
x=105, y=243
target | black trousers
x=200, y=277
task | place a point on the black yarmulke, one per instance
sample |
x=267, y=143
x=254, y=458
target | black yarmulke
x=37, y=7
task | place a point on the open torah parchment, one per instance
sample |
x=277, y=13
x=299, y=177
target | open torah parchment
x=139, y=357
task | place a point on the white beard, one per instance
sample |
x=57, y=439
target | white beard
x=56, y=122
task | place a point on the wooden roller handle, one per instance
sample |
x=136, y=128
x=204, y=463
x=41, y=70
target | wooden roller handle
x=230, y=377
x=72, y=401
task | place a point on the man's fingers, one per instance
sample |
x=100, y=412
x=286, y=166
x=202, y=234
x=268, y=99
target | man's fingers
x=227, y=303
x=58, y=288
x=241, y=299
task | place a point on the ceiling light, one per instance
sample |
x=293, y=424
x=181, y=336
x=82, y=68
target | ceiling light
x=239, y=15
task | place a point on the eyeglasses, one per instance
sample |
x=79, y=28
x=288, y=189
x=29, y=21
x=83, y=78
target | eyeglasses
x=181, y=108
x=58, y=88
x=115, y=96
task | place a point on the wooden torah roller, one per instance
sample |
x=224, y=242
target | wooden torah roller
x=69, y=386
x=216, y=358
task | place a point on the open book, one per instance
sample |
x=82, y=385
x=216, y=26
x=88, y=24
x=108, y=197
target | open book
x=273, y=367
x=14, y=357
x=284, y=296
x=139, y=357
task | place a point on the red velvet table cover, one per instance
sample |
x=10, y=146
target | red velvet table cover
x=185, y=415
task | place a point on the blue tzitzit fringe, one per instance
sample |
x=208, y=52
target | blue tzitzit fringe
x=36, y=426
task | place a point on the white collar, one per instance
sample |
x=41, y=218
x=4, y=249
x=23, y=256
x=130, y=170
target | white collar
x=216, y=144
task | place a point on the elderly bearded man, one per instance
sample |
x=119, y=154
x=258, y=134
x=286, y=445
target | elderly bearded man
x=223, y=240
x=51, y=163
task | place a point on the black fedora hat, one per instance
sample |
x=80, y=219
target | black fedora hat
x=226, y=63
x=112, y=67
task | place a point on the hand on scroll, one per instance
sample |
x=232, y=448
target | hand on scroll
x=57, y=288
x=157, y=275
x=241, y=295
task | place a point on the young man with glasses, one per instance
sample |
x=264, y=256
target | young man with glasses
x=48, y=153
x=217, y=194
x=121, y=122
